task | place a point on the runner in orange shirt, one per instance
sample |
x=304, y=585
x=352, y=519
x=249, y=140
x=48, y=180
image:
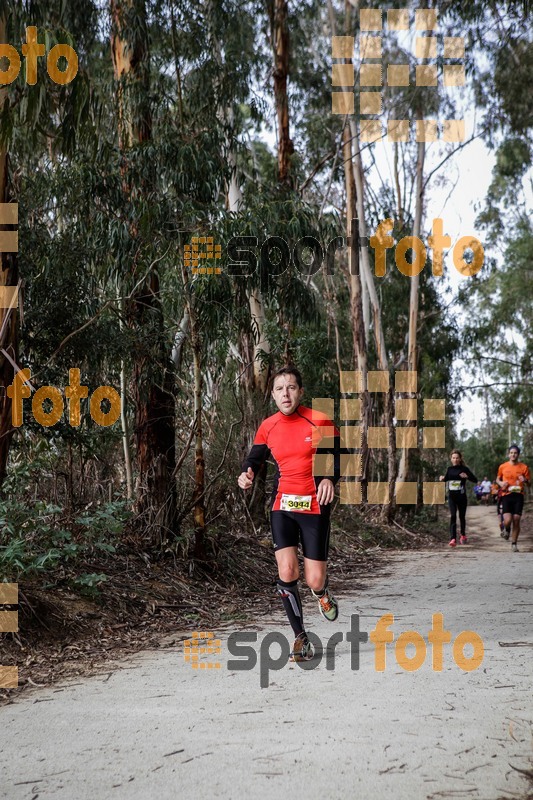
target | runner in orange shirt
x=512, y=477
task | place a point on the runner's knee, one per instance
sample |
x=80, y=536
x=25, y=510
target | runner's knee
x=288, y=571
x=316, y=578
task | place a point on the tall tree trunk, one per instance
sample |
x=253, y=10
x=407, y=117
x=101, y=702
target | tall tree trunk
x=261, y=343
x=356, y=305
x=379, y=335
x=254, y=386
x=278, y=11
x=152, y=381
x=356, y=295
x=415, y=280
x=366, y=272
x=125, y=433
x=332, y=310
x=398, y=188
x=412, y=352
x=233, y=204
x=8, y=277
x=179, y=340
x=199, y=461
x=487, y=413
x=126, y=442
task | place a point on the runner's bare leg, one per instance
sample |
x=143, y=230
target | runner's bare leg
x=315, y=573
x=516, y=528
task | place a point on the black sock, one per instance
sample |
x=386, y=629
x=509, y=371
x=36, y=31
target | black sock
x=290, y=597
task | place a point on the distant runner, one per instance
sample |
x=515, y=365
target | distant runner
x=512, y=477
x=300, y=503
x=457, y=476
x=499, y=510
x=485, y=490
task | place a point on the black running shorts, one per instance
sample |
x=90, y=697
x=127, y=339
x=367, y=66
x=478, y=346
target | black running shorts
x=513, y=503
x=289, y=527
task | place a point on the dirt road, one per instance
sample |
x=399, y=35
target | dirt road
x=157, y=728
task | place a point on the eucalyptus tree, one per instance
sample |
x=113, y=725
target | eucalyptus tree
x=35, y=119
x=499, y=328
x=152, y=379
x=9, y=276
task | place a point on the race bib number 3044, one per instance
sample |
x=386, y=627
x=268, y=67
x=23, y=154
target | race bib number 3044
x=296, y=502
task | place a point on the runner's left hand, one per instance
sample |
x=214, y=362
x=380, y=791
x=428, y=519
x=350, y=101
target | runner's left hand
x=325, y=492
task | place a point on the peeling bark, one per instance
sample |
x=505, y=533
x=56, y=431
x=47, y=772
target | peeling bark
x=9, y=276
x=152, y=381
x=412, y=350
x=379, y=335
x=356, y=307
x=278, y=11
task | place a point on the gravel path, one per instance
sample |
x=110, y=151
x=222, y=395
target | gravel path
x=157, y=728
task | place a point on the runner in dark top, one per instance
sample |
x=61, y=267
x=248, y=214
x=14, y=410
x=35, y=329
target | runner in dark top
x=300, y=503
x=457, y=476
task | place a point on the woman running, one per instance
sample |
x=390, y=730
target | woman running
x=457, y=476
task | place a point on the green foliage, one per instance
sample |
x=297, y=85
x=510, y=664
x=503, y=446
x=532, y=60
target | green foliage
x=482, y=455
x=88, y=584
x=498, y=327
x=30, y=542
x=36, y=539
x=97, y=216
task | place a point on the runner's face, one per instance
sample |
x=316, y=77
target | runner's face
x=286, y=393
x=513, y=455
x=455, y=460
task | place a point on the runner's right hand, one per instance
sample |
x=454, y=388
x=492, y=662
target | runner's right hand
x=246, y=479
